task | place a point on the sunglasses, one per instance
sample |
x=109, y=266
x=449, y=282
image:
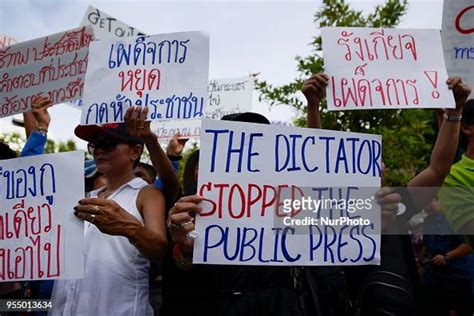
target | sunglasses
x=106, y=145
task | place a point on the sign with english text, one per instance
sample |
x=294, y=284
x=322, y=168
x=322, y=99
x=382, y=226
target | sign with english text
x=106, y=26
x=373, y=68
x=277, y=195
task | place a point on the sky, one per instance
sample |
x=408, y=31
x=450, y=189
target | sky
x=245, y=36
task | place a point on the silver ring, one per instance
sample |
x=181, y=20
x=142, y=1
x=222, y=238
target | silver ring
x=93, y=216
x=97, y=209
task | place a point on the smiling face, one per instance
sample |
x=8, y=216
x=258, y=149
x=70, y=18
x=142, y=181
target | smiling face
x=113, y=156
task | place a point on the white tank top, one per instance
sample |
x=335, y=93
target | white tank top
x=116, y=273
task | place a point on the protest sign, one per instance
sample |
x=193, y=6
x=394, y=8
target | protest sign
x=6, y=41
x=106, y=26
x=40, y=238
x=458, y=39
x=385, y=69
x=53, y=66
x=250, y=174
x=226, y=96
x=167, y=73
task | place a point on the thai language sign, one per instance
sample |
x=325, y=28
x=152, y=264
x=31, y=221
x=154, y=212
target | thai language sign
x=167, y=73
x=53, y=66
x=255, y=179
x=458, y=39
x=226, y=96
x=40, y=238
x=6, y=41
x=385, y=69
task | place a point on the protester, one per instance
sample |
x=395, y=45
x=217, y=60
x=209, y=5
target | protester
x=396, y=253
x=457, y=194
x=93, y=179
x=449, y=267
x=116, y=268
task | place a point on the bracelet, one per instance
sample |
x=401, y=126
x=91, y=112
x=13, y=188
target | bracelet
x=43, y=131
x=452, y=118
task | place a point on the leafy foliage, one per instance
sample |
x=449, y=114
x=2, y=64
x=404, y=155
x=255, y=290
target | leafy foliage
x=407, y=135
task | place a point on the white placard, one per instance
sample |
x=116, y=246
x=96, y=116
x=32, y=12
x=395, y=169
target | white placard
x=226, y=96
x=458, y=39
x=167, y=73
x=248, y=173
x=106, y=26
x=53, y=66
x=373, y=68
x=40, y=238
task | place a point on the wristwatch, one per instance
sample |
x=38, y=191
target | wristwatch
x=446, y=258
x=452, y=118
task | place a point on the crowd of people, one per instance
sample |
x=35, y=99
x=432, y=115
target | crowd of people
x=138, y=219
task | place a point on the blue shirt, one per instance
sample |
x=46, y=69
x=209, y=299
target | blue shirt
x=158, y=183
x=442, y=243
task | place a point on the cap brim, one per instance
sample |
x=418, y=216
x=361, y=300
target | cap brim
x=90, y=133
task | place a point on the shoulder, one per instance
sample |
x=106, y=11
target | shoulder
x=149, y=193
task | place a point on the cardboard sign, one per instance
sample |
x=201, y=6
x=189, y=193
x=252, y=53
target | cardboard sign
x=458, y=39
x=167, y=73
x=53, y=66
x=385, y=69
x=257, y=181
x=40, y=238
x=226, y=96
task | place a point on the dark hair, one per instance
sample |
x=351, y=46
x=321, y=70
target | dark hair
x=467, y=119
x=189, y=183
x=149, y=168
x=6, y=152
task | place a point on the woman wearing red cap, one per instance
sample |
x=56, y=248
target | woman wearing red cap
x=124, y=229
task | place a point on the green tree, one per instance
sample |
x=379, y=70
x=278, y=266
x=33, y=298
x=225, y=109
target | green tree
x=407, y=135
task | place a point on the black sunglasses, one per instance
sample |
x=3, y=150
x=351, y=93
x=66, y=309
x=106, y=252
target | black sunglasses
x=106, y=145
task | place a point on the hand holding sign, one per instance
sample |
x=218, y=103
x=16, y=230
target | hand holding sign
x=389, y=206
x=40, y=112
x=460, y=90
x=181, y=221
x=314, y=89
x=135, y=120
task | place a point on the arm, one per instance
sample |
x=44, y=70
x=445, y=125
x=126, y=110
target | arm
x=150, y=239
x=36, y=127
x=457, y=253
x=444, y=150
x=137, y=126
x=110, y=218
x=314, y=89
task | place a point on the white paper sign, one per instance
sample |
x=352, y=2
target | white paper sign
x=6, y=40
x=385, y=69
x=53, y=66
x=226, y=96
x=458, y=39
x=250, y=174
x=106, y=26
x=167, y=73
x=40, y=238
